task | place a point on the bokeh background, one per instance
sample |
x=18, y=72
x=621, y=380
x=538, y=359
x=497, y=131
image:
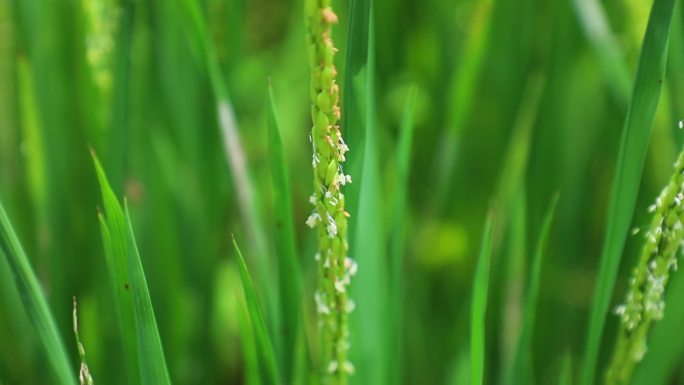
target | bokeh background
x=514, y=100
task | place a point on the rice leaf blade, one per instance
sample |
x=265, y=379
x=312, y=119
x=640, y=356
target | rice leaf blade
x=479, y=305
x=368, y=248
x=523, y=355
x=256, y=318
x=28, y=288
x=592, y=18
x=145, y=356
x=566, y=370
x=398, y=236
x=289, y=275
x=632, y=154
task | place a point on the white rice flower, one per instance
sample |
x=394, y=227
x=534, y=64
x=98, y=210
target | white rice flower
x=321, y=306
x=351, y=305
x=340, y=286
x=351, y=266
x=313, y=220
x=332, y=226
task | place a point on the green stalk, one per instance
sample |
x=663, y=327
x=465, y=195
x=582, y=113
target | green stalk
x=335, y=268
x=84, y=376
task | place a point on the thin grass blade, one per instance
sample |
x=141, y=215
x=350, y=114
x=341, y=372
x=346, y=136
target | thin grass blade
x=630, y=163
x=368, y=248
x=263, y=342
x=523, y=356
x=594, y=22
x=145, y=356
x=565, y=377
x=249, y=348
x=356, y=62
x=235, y=154
x=289, y=275
x=461, y=91
x=479, y=305
x=34, y=302
x=398, y=236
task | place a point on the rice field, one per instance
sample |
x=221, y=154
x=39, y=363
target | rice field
x=341, y=192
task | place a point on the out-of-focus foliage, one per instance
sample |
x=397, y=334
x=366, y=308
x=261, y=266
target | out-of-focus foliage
x=512, y=101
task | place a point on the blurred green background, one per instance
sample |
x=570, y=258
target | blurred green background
x=515, y=100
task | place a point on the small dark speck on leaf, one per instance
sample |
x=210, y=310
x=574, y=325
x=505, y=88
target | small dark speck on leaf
x=126, y=286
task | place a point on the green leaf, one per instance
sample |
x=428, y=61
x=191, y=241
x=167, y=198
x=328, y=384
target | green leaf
x=461, y=94
x=592, y=18
x=479, y=305
x=398, y=236
x=144, y=353
x=289, y=274
x=511, y=198
x=260, y=333
x=249, y=347
x=234, y=151
x=29, y=290
x=368, y=289
x=523, y=356
x=565, y=377
x=356, y=62
x=630, y=163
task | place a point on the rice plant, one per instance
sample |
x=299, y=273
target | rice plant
x=184, y=169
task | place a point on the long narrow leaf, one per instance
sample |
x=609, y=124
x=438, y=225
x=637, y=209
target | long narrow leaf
x=633, y=146
x=396, y=287
x=145, y=356
x=368, y=247
x=263, y=342
x=479, y=305
x=523, y=356
x=289, y=275
x=234, y=151
x=594, y=22
x=30, y=292
x=565, y=377
x=461, y=90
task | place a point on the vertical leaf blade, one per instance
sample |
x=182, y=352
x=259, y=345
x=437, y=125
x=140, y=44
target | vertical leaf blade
x=144, y=352
x=633, y=146
x=289, y=275
x=396, y=286
x=34, y=302
x=368, y=288
x=523, y=357
x=260, y=333
x=479, y=305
